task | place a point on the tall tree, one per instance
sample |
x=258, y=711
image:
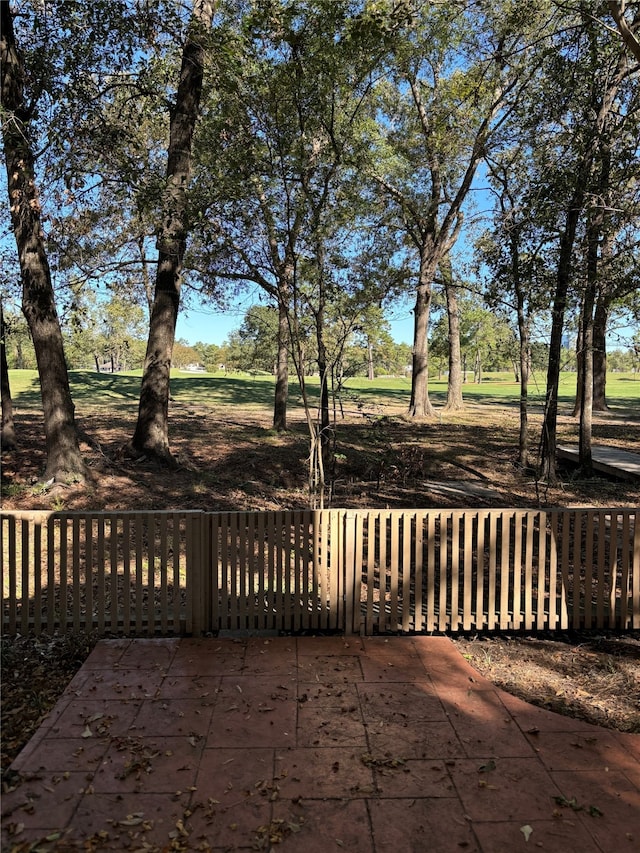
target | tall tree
x=64, y=458
x=273, y=165
x=454, y=82
x=598, y=73
x=151, y=435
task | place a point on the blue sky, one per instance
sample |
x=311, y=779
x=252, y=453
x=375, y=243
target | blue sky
x=212, y=326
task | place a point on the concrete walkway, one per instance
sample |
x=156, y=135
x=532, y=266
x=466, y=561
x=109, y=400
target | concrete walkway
x=314, y=744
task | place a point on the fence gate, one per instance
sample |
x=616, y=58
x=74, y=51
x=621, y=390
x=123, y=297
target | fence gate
x=279, y=571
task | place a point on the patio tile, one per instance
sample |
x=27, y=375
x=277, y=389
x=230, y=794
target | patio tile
x=46, y=802
x=152, y=765
x=416, y=825
x=551, y=836
x=388, y=648
x=106, y=654
x=445, y=664
x=252, y=718
x=607, y=805
x=331, y=727
x=129, y=822
x=231, y=774
x=174, y=717
x=204, y=687
x=504, y=789
x=398, y=702
x=99, y=717
x=484, y=724
x=150, y=653
x=408, y=740
x=207, y=657
x=232, y=825
x=579, y=750
x=316, y=773
x=264, y=657
x=323, y=826
x=329, y=646
x=412, y=778
x=630, y=743
x=389, y=670
x=127, y=683
x=256, y=692
x=531, y=718
x=341, y=669
x=327, y=695
x=64, y=754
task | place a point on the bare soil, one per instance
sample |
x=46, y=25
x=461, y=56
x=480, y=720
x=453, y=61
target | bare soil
x=230, y=459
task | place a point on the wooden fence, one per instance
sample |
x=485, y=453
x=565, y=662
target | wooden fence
x=355, y=571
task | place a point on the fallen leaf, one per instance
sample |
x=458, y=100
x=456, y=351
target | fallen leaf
x=526, y=830
x=87, y=732
x=132, y=820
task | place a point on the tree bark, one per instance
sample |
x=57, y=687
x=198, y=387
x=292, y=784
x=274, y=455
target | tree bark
x=586, y=396
x=420, y=405
x=548, y=444
x=579, y=368
x=7, y=432
x=152, y=430
x=282, y=370
x=525, y=365
x=64, y=459
x=600, y=356
x=454, y=384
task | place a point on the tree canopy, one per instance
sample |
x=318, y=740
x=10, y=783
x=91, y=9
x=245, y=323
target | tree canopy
x=479, y=159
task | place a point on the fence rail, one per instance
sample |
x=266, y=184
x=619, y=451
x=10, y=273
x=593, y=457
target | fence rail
x=358, y=571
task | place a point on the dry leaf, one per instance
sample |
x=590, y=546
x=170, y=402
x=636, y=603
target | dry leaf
x=526, y=830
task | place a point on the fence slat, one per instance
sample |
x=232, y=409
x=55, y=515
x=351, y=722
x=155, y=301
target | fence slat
x=552, y=620
x=481, y=521
x=635, y=599
x=37, y=576
x=564, y=570
x=504, y=616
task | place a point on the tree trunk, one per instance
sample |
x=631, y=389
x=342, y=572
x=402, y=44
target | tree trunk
x=548, y=442
x=64, y=458
x=579, y=368
x=7, y=432
x=477, y=369
x=325, y=419
x=523, y=331
x=600, y=356
x=282, y=370
x=454, y=385
x=420, y=405
x=586, y=396
x=370, y=369
x=152, y=430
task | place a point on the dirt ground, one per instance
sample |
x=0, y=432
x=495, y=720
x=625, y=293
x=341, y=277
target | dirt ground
x=230, y=459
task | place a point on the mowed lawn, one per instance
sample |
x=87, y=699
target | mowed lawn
x=255, y=390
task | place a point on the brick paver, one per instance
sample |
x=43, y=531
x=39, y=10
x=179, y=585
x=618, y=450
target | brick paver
x=314, y=744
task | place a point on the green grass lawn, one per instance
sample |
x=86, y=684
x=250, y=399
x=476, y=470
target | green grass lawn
x=249, y=390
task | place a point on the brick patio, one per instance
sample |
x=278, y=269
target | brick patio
x=314, y=744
